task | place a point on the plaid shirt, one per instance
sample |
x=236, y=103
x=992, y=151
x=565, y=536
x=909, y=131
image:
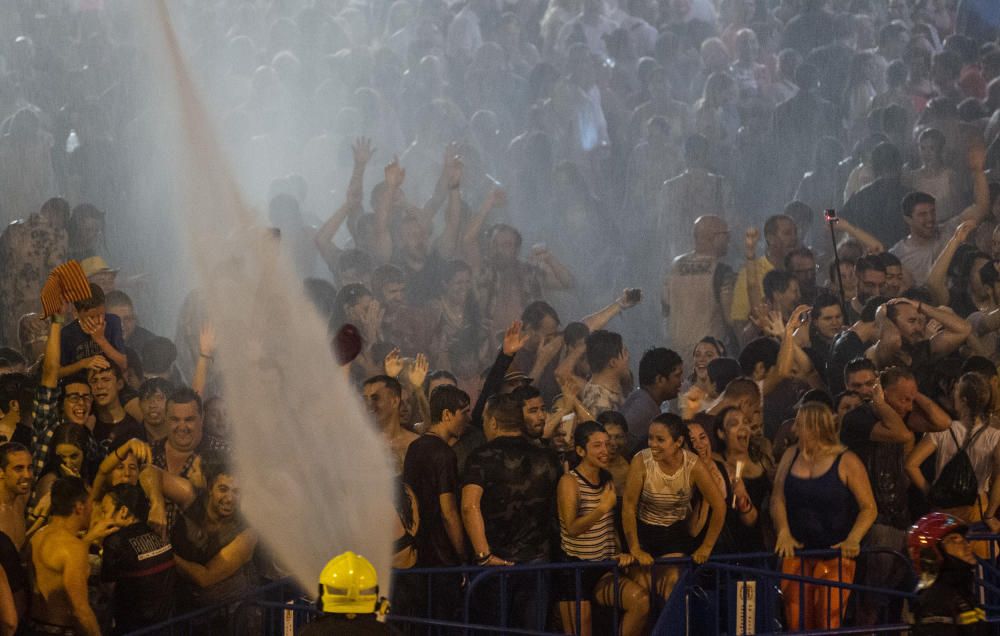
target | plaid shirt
x=47, y=418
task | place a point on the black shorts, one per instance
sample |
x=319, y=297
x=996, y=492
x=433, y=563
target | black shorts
x=565, y=580
x=661, y=540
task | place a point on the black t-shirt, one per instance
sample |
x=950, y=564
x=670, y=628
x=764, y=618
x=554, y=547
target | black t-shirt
x=142, y=566
x=519, y=493
x=341, y=625
x=431, y=470
x=884, y=462
x=111, y=436
x=846, y=347
x=22, y=435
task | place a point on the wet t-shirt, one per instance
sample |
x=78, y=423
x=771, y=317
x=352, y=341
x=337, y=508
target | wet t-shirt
x=519, y=496
x=142, y=566
x=884, y=462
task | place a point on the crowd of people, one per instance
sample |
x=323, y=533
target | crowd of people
x=824, y=386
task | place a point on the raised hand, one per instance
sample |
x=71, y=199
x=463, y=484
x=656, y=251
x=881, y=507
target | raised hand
x=140, y=450
x=418, y=371
x=394, y=174
x=514, y=338
x=795, y=319
x=206, y=340
x=363, y=150
x=497, y=198
x=976, y=157
x=97, y=363
x=453, y=172
x=550, y=348
x=630, y=298
x=393, y=363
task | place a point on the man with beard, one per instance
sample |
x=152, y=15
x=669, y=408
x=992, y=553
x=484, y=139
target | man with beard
x=903, y=339
x=871, y=275
x=532, y=410
x=15, y=489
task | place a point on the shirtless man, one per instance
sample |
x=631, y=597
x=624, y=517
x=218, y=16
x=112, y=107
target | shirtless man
x=59, y=560
x=15, y=486
x=382, y=396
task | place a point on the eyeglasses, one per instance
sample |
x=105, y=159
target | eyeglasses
x=77, y=398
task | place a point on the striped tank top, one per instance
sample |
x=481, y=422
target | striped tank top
x=665, y=499
x=600, y=541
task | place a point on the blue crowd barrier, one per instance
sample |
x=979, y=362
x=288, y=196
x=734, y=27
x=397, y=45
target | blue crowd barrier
x=729, y=594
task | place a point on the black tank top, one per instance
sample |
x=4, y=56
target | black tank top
x=821, y=510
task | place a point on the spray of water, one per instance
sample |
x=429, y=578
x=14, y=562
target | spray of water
x=315, y=476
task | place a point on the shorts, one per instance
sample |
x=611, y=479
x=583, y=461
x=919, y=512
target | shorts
x=661, y=540
x=565, y=580
x=37, y=628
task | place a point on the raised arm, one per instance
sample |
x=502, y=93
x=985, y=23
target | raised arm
x=980, y=207
x=206, y=355
x=394, y=177
x=600, y=318
x=353, y=204
x=956, y=329
x=937, y=279
x=470, y=235
x=447, y=243
x=890, y=428
x=871, y=244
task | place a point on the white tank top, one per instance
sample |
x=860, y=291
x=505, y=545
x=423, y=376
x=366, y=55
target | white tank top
x=665, y=499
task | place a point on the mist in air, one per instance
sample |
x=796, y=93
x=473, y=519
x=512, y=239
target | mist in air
x=314, y=474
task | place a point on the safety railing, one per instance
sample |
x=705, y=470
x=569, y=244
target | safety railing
x=730, y=594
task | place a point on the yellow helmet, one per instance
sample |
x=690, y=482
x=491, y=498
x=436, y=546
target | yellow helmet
x=348, y=584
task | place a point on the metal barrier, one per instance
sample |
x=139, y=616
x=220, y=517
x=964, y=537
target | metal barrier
x=730, y=594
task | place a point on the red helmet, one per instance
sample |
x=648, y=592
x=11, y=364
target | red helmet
x=924, y=536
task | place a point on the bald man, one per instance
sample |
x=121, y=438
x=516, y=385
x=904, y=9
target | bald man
x=702, y=285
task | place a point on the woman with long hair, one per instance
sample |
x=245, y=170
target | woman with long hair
x=661, y=482
x=586, y=501
x=67, y=457
x=972, y=432
x=821, y=499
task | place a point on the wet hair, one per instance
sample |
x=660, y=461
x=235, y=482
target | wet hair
x=505, y=408
x=889, y=377
x=658, y=361
x=96, y=299
x=390, y=383
x=886, y=159
x=776, y=281
x=613, y=418
x=9, y=448
x=772, y=222
x=130, y=497
x=385, y=275
x=575, y=332
x=913, y=199
x=858, y=364
x=818, y=418
x=186, y=395
x=603, y=346
x=524, y=393
x=214, y=464
x=447, y=398
x=155, y=385
x=823, y=300
x=982, y=366
x=15, y=387
x=583, y=432
x=158, y=355
x=719, y=427
x=66, y=493
x=871, y=307
x=722, y=371
x=535, y=313
x=117, y=298
x=673, y=423
x=348, y=296
x=867, y=263
x=760, y=350
x=974, y=390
